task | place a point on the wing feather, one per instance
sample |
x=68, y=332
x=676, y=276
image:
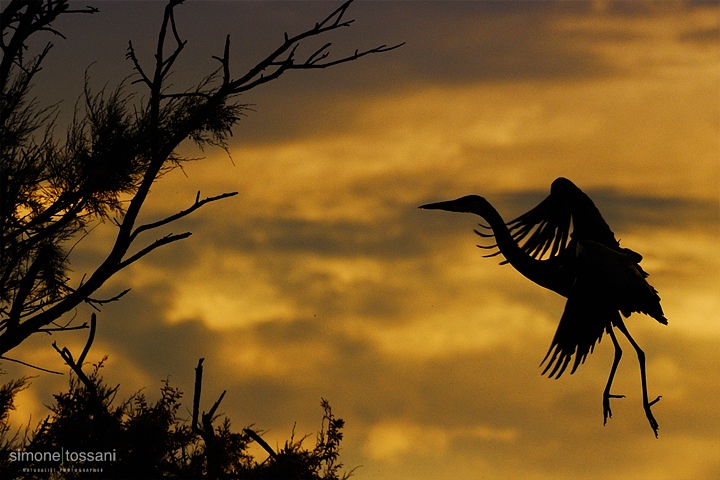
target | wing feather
x=567, y=213
x=544, y=228
x=583, y=322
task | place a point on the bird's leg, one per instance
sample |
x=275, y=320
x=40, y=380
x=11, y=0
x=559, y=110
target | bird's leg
x=606, y=394
x=641, y=359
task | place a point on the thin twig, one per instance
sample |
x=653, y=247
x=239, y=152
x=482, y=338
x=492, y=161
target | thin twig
x=64, y=329
x=131, y=56
x=29, y=365
x=157, y=243
x=117, y=297
x=198, y=203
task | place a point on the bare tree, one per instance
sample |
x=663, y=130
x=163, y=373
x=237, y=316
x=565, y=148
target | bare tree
x=51, y=191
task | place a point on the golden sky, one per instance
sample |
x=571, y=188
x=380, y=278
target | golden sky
x=321, y=278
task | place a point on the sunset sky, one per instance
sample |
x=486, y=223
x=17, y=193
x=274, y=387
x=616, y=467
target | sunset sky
x=322, y=278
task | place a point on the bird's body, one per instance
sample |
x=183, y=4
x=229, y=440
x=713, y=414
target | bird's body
x=585, y=264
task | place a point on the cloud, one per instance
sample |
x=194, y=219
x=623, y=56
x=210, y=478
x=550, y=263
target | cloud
x=460, y=44
x=391, y=441
x=485, y=139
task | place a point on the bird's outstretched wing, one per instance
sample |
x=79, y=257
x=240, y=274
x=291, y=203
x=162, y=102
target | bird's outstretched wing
x=584, y=320
x=545, y=227
x=546, y=230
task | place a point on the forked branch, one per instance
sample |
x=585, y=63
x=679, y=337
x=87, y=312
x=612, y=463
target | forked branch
x=206, y=432
x=198, y=203
x=284, y=56
x=76, y=366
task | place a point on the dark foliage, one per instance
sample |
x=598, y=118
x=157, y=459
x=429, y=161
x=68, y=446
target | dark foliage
x=151, y=441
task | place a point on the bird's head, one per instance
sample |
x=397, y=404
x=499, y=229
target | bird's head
x=467, y=204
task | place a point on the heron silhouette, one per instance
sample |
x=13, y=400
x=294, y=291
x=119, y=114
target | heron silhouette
x=585, y=264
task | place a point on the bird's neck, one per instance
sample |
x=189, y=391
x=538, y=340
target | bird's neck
x=542, y=272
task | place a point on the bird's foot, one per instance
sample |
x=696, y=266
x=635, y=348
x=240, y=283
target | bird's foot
x=649, y=415
x=607, y=413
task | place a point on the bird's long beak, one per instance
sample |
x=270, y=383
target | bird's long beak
x=449, y=206
x=435, y=206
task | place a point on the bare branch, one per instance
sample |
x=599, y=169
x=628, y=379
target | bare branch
x=311, y=65
x=168, y=63
x=29, y=365
x=174, y=27
x=324, y=55
x=157, y=243
x=251, y=433
x=163, y=66
x=91, y=337
x=225, y=61
x=64, y=329
x=88, y=9
x=331, y=22
x=181, y=214
x=77, y=366
x=131, y=56
x=215, y=406
x=117, y=297
x=53, y=31
x=196, y=398
x=313, y=62
x=337, y=13
x=94, y=301
x=185, y=95
x=67, y=357
x=207, y=433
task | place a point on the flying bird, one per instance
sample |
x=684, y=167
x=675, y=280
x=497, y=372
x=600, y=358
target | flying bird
x=565, y=245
